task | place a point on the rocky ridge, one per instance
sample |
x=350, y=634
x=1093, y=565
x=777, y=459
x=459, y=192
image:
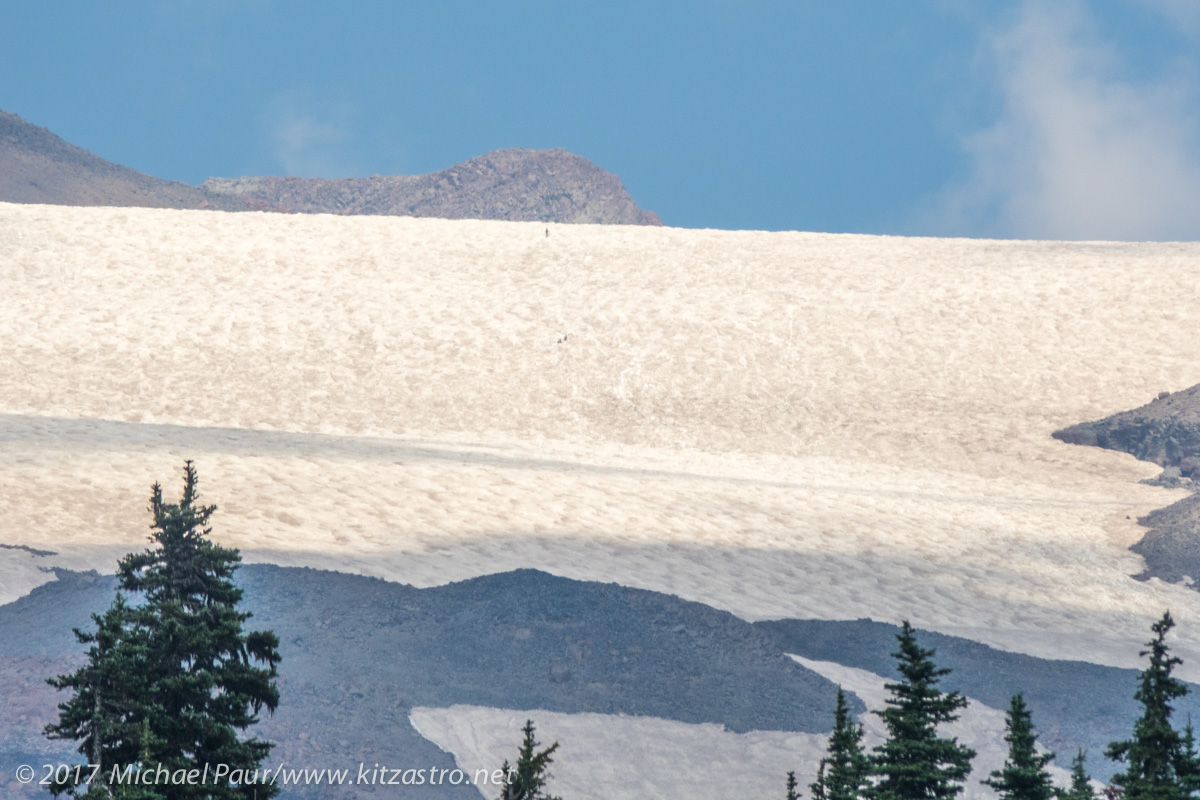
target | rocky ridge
x=36, y=166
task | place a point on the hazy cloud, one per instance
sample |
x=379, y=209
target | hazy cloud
x=1080, y=151
x=1184, y=13
x=310, y=137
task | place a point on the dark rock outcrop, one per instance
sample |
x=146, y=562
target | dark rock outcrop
x=1165, y=431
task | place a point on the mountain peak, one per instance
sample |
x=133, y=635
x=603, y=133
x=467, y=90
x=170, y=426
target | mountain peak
x=515, y=184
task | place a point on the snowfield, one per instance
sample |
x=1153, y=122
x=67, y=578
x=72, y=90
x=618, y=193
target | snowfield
x=778, y=424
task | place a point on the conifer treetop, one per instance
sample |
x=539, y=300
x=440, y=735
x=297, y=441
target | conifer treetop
x=915, y=763
x=1024, y=776
x=1162, y=764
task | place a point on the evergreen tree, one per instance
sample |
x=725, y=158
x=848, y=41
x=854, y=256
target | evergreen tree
x=791, y=787
x=915, y=763
x=527, y=780
x=843, y=774
x=1024, y=776
x=111, y=698
x=170, y=683
x=1161, y=763
x=1081, y=784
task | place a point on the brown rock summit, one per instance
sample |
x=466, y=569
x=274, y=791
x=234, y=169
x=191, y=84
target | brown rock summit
x=38, y=167
x=515, y=184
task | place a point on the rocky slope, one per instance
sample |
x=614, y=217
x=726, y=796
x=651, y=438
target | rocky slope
x=36, y=166
x=515, y=184
x=359, y=653
x=1165, y=431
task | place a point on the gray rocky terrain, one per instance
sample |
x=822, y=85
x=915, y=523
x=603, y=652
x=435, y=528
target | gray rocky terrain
x=359, y=653
x=1165, y=431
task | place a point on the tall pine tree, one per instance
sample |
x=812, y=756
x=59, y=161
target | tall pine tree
x=915, y=763
x=171, y=683
x=843, y=773
x=1024, y=776
x=1161, y=763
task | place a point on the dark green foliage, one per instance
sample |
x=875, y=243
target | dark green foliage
x=791, y=787
x=915, y=763
x=170, y=683
x=1161, y=762
x=1024, y=776
x=111, y=696
x=1081, y=784
x=843, y=773
x=527, y=779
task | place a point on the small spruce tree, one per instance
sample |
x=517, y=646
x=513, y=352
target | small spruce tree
x=792, y=794
x=843, y=773
x=1188, y=767
x=914, y=763
x=1024, y=776
x=527, y=780
x=1161, y=763
x=1081, y=783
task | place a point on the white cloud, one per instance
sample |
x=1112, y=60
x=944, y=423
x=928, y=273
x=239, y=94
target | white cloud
x=1080, y=151
x=309, y=136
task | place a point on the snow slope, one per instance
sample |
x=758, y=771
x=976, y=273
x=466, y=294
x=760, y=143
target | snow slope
x=778, y=424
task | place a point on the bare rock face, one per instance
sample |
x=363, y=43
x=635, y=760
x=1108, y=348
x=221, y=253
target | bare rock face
x=38, y=167
x=515, y=184
x=1165, y=431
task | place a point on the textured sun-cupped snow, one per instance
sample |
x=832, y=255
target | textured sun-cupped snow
x=615, y=756
x=778, y=424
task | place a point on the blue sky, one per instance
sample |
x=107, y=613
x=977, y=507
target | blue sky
x=1038, y=119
